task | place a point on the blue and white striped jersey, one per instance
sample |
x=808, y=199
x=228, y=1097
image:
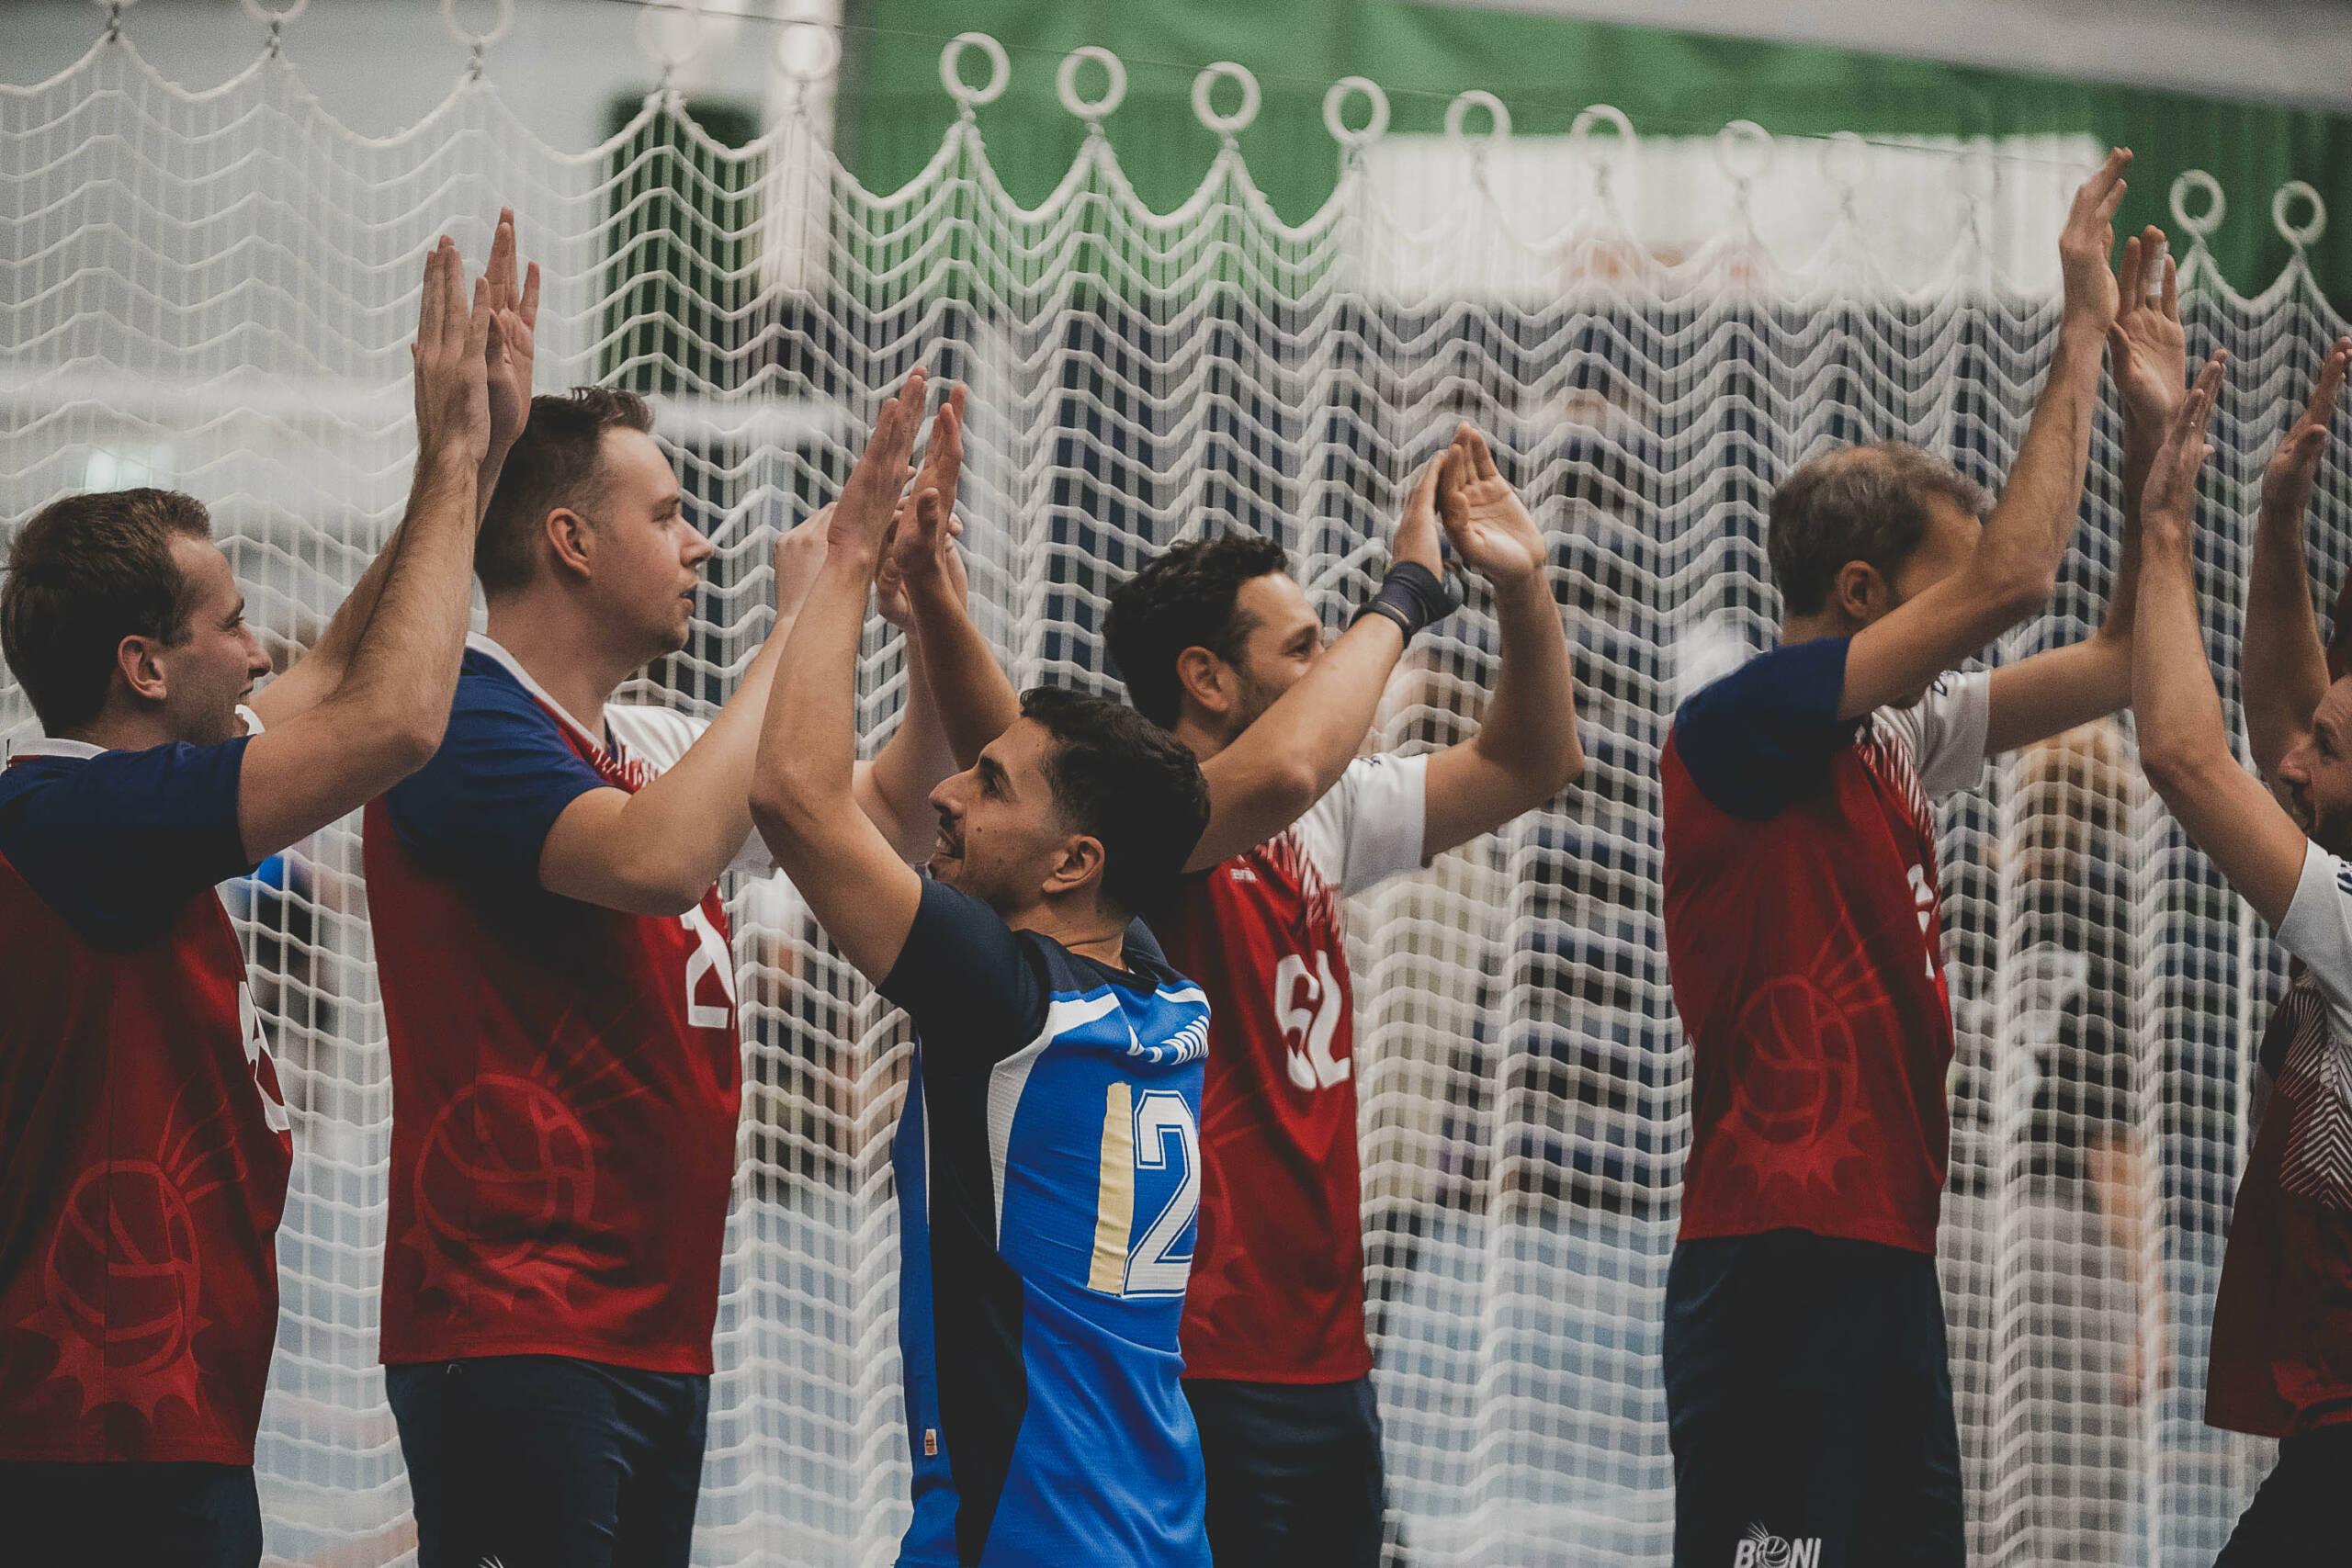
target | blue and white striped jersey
x=1048, y=1174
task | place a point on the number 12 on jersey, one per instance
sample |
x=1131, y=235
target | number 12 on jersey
x=1139, y=1136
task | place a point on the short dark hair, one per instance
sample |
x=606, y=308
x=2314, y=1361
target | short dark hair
x=1185, y=598
x=1128, y=782
x=1865, y=504
x=557, y=461
x=84, y=573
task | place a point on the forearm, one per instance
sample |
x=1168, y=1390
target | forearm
x=401, y=671
x=692, y=821
x=1530, y=728
x=2282, y=664
x=2174, y=703
x=808, y=749
x=972, y=698
x=911, y=763
x=2028, y=531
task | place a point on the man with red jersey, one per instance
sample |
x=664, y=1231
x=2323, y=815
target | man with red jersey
x=144, y=1145
x=560, y=994
x=1212, y=639
x=1217, y=643
x=2282, y=1362
x=1808, y=1386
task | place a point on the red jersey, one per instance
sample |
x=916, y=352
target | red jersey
x=1802, y=937
x=565, y=1078
x=144, y=1145
x=2281, y=1360
x=1277, y=1285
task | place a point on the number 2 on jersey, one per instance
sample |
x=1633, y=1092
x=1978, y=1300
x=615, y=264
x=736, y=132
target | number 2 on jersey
x=1139, y=1136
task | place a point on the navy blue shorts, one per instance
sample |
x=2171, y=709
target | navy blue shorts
x=1294, y=1473
x=547, y=1461
x=2295, y=1519
x=158, y=1515
x=1808, y=1396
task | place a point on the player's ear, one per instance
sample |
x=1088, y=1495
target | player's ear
x=567, y=534
x=1859, y=593
x=1207, y=680
x=1080, y=862
x=139, y=661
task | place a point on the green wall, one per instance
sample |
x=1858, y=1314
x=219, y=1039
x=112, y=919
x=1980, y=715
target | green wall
x=1546, y=69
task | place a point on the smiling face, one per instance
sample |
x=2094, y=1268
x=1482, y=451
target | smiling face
x=2315, y=778
x=647, y=557
x=1002, y=838
x=213, y=666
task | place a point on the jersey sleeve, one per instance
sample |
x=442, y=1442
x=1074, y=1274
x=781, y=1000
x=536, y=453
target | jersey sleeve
x=2318, y=930
x=1369, y=826
x=965, y=979
x=117, y=844
x=483, y=805
x=1761, y=739
x=662, y=737
x=1947, y=730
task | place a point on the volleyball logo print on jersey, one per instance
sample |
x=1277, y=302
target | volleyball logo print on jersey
x=124, y=1274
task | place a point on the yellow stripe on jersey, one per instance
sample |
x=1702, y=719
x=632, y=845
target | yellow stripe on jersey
x=1114, y=1203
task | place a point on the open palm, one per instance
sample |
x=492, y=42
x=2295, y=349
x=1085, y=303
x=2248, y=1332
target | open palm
x=1483, y=515
x=2149, y=346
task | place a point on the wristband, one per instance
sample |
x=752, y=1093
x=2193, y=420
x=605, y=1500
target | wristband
x=1414, y=597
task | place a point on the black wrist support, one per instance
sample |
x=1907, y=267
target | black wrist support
x=1414, y=597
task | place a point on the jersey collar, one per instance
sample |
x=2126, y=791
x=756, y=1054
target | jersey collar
x=50, y=746
x=481, y=642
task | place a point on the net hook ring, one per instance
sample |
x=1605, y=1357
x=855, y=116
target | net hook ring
x=268, y=17
x=684, y=26
x=1582, y=138
x=478, y=42
x=1744, y=140
x=2205, y=222
x=1335, y=100
x=1114, y=92
x=2303, y=235
x=968, y=97
x=1238, y=121
x=811, y=64
x=1458, y=116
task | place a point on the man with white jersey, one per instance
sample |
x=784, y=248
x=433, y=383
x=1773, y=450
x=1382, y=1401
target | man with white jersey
x=559, y=993
x=2281, y=1363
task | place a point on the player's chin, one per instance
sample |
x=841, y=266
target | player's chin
x=944, y=865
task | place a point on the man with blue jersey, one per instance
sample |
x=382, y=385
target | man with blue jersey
x=144, y=1144
x=1048, y=1155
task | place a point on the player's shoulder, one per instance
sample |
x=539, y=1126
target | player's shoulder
x=655, y=735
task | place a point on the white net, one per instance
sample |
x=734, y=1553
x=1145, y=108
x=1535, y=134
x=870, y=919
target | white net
x=214, y=291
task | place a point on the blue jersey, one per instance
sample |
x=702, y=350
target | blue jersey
x=1048, y=1175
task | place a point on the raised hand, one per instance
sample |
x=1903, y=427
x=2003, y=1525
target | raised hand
x=2171, y=496
x=2293, y=468
x=869, y=503
x=922, y=552
x=1483, y=515
x=2148, y=344
x=2087, y=242
x=799, y=556
x=1419, y=535
x=513, y=342
x=451, y=357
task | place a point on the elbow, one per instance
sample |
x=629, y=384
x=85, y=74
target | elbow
x=2173, y=764
x=2017, y=590
x=783, y=817
x=1291, y=790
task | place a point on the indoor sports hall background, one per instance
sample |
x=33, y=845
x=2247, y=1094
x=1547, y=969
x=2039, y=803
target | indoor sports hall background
x=1188, y=297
